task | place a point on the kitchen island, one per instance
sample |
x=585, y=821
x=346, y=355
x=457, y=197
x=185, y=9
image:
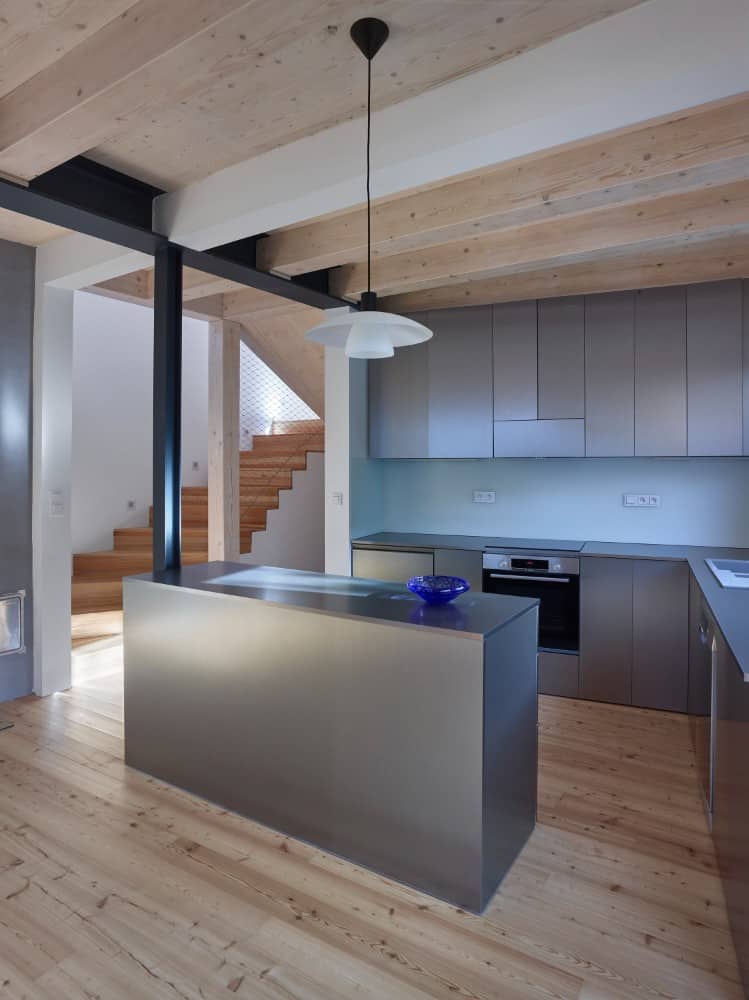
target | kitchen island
x=344, y=712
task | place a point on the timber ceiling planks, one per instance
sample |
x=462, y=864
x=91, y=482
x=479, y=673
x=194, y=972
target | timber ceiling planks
x=22, y=229
x=663, y=202
x=173, y=90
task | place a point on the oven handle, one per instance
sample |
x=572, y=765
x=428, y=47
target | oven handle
x=534, y=579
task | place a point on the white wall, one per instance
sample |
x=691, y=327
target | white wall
x=295, y=535
x=112, y=415
x=704, y=501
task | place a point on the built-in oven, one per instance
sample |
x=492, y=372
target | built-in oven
x=554, y=579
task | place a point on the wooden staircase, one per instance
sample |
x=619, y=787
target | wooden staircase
x=264, y=471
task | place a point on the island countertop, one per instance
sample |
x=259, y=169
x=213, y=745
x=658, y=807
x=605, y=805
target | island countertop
x=473, y=615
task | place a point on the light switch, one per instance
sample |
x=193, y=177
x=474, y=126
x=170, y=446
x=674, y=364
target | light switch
x=56, y=504
x=336, y=498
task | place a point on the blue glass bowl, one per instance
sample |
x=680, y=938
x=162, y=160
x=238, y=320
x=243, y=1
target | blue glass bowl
x=438, y=589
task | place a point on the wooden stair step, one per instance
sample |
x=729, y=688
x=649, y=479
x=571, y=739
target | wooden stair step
x=286, y=444
x=96, y=595
x=118, y=563
x=280, y=478
x=250, y=460
x=298, y=427
x=125, y=539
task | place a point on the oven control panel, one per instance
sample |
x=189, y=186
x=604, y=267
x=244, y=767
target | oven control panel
x=531, y=562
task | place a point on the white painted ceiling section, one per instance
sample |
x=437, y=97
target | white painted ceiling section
x=648, y=61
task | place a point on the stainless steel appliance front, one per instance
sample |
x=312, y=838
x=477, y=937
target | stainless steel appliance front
x=11, y=622
x=552, y=578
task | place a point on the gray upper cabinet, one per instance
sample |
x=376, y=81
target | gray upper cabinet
x=561, y=358
x=516, y=361
x=609, y=374
x=539, y=438
x=661, y=372
x=657, y=372
x=714, y=369
x=460, y=383
x=660, y=620
x=399, y=404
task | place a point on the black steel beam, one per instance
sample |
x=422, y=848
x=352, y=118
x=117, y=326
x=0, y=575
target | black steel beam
x=92, y=220
x=58, y=212
x=264, y=281
x=167, y=408
x=90, y=185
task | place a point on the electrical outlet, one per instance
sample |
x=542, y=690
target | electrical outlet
x=641, y=500
x=484, y=496
x=131, y=505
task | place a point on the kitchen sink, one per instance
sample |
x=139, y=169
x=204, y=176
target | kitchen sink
x=730, y=572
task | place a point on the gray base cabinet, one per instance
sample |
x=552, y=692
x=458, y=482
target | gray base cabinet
x=558, y=674
x=660, y=627
x=464, y=563
x=606, y=630
x=731, y=802
x=634, y=632
x=399, y=567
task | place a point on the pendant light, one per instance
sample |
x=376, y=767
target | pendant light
x=369, y=333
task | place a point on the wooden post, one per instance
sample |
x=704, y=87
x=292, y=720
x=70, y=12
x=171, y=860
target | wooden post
x=223, y=440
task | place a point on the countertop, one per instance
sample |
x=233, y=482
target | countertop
x=730, y=608
x=476, y=543
x=473, y=615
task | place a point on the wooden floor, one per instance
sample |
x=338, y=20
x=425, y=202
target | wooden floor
x=114, y=885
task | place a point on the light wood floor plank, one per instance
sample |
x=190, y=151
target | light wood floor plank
x=115, y=885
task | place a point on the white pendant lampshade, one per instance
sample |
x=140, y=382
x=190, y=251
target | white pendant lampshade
x=369, y=334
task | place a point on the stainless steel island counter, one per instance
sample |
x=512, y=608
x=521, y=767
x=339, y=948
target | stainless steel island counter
x=344, y=712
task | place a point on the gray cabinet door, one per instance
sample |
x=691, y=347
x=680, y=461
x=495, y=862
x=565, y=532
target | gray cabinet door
x=745, y=352
x=399, y=404
x=660, y=625
x=609, y=375
x=516, y=361
x=561, y=358
x=661, y=371
x=731, y=803
x=381, y=564
x=558, y=674
x=606, y=629
x=714, y=368
x=539, y=438
x=461, y=562
x=460, y=383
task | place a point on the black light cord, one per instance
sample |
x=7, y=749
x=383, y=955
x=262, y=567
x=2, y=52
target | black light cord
x=369, y=200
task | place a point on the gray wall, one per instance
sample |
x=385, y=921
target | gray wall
x=16, y=330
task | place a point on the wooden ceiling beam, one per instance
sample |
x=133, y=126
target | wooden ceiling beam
x=632, y=267
x=134, y=287
x=700, y=147
x=712, y=211
x=82, y=98
x=36, y=34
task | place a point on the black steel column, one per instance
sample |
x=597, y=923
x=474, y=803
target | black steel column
x=167, y=409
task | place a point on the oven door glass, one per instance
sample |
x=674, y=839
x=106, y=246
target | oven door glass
x=559, y=613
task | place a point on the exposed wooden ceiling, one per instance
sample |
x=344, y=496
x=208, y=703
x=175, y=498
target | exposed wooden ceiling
x=663, y=203
x=173, y=90
x=22, y=229
x=272, y=327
